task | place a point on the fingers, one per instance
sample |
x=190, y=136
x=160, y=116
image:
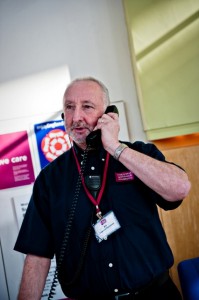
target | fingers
x=101, y=120
x=114, y=116
x=100, y=123
x=108, y=117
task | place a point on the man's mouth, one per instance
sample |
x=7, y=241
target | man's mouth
x=80, y=130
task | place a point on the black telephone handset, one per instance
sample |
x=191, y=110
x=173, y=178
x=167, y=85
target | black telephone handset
x=93, y=140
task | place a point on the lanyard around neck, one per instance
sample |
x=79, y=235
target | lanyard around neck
x=96, y=202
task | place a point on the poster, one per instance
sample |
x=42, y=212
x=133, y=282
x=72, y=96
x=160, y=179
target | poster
x=21, y=205
x=52, y=140
x=16, y=168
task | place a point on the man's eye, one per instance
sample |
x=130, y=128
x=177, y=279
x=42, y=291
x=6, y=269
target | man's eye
x=88, y=107
x=69, y=107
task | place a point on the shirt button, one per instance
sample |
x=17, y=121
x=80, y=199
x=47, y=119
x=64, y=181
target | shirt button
x=115, y=290
x=110, y=265
x=92, y=168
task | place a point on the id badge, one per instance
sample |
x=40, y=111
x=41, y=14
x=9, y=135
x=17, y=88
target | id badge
x=106, y=226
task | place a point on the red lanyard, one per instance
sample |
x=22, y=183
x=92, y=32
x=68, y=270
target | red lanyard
x=96, y=202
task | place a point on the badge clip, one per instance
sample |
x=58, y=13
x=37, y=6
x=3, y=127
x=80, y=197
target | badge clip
x=98, y=212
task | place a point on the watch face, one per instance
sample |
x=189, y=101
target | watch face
x=119, y=150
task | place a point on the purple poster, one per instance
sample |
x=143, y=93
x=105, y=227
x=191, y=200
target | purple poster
x=52, y=140
x=16, y=167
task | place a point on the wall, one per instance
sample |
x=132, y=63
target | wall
x=164, y=37
x=90, y=38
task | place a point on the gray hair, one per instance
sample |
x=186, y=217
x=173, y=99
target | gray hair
x=101, y=84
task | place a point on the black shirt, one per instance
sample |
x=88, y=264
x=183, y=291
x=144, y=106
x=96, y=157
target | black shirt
x=130, y=257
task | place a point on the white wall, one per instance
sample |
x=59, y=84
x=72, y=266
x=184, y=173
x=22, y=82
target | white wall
x=88, y=36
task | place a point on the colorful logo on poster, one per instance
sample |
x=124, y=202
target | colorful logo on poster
x=52, y=141
x=54, y=144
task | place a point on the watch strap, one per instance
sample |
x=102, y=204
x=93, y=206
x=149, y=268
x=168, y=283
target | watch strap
x=119, y=150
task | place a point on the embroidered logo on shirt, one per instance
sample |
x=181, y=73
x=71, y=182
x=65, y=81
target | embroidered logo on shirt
x=124, y=176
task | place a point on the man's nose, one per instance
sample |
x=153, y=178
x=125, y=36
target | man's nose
x=77, y=114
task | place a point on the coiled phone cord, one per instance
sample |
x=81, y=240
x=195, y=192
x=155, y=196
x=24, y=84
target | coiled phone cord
x=68, y=228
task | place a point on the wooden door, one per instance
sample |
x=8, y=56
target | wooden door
x=182, y=224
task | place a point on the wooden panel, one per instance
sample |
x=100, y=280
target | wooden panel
x=178, y=141
x=182, y=225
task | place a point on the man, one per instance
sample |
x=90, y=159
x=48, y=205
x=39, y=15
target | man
x=95, y=208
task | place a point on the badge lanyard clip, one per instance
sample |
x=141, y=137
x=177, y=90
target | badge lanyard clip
x=98, y=212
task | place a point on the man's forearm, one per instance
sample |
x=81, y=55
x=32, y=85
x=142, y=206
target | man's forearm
x=166, y=179
x=34, y=277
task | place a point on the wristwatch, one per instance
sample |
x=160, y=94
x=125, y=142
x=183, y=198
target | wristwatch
x=119, y=150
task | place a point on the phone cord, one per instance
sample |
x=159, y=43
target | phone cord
x=67, y=235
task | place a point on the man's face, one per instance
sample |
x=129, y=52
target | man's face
x=83, y=105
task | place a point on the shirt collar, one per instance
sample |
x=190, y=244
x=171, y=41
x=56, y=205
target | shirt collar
x=98, y=152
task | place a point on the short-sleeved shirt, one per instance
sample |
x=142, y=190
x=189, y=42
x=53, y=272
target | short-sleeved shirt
x=60, y=209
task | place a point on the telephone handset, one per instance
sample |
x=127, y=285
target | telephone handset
x=94, y=138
